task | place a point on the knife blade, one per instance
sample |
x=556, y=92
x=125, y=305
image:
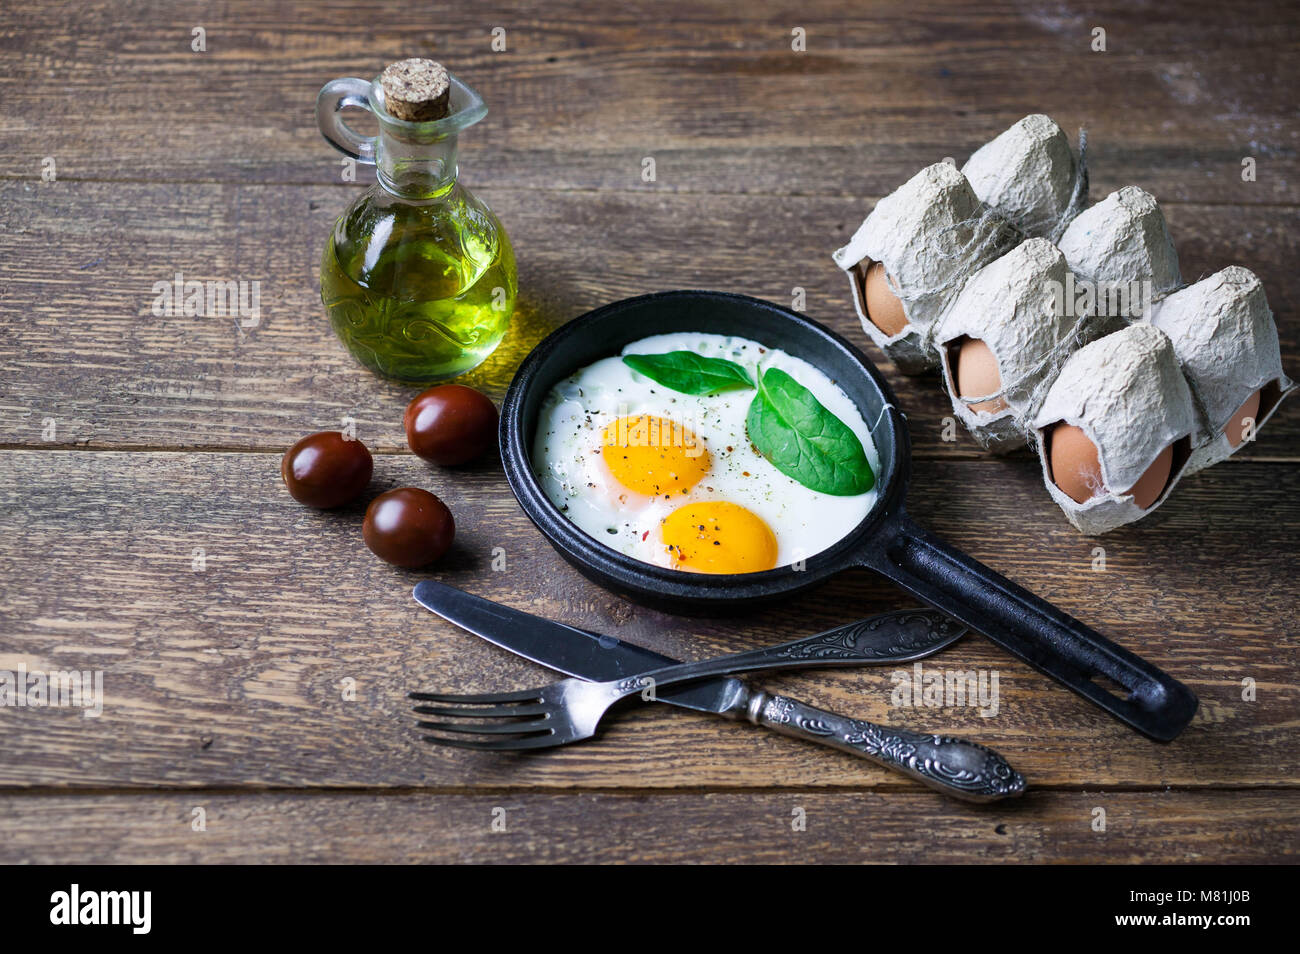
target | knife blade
x=600, y=658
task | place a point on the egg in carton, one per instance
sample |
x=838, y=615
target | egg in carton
x=1226, y=341
x=1031, y=175
x=911, y=256
x=1005, y=338
x=1121, y=248
x=1114, y=433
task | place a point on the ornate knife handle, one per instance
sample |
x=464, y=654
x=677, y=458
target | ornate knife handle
x=966, y=770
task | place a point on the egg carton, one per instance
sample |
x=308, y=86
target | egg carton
x=1219, y=336
x=1127, y=393
x=1139, y=361
x=1029, y=332
x=930, y=234
x=1121, y=247
x=1223, y=333
x=1031, y=176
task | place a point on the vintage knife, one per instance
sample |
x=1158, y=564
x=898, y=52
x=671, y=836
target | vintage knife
x=952, y=765
x=899, y=637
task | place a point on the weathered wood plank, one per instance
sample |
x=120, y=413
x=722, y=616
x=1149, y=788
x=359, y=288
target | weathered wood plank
x=584, y=92
x=841, y=828
x=80, y=346
x=236, y=674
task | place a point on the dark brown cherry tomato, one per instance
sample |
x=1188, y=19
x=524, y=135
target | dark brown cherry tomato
x=326, y=470
x=408, y=527
x=450, y=424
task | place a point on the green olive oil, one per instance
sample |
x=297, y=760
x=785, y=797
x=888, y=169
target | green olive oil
x=416, y=297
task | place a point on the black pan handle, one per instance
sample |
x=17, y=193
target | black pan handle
x=1053, y=642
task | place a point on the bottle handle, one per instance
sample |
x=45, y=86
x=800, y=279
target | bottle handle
x=335, y=96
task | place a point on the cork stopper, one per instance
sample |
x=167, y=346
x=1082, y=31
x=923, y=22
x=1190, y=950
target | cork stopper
x=416, y=90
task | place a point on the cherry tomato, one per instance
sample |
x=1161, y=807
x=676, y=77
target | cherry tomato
x=450, y=424
x=326, y=470
x=408, y=527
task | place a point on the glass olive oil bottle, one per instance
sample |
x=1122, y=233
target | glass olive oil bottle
x=418, y=275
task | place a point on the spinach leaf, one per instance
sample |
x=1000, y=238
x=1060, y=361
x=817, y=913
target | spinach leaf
x=803, y=440
x=689, y=372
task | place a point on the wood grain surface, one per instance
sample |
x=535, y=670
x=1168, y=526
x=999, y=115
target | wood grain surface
x=707, y=827
x=255, y=655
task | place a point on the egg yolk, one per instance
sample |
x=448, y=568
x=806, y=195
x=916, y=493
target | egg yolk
x=718, y=537
x=654, y=455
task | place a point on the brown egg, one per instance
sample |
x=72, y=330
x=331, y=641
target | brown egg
x=975, y=372
x=883, y=307
x=1076, y=467
x=1235, y=429
x=1151, y=484
x=1072, y=456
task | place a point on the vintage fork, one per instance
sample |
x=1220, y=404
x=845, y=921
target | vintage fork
x=571, y=710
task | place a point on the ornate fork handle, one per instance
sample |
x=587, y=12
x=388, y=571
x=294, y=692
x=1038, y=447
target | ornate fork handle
x=966, y=770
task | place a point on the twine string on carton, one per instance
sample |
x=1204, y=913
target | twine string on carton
x=1035, y=380
x=1078, y=195
x=1052, y=227
x=991, y=236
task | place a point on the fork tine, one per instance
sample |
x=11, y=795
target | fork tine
x=482, y=699
x=499, y=745
x=489, y=728
x=481, y=712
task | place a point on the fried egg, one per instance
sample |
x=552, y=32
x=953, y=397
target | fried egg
x=672, y=479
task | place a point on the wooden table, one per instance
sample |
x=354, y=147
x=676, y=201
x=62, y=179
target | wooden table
x=255, y=654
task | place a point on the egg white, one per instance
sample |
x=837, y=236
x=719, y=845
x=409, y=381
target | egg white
x=573, y=417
